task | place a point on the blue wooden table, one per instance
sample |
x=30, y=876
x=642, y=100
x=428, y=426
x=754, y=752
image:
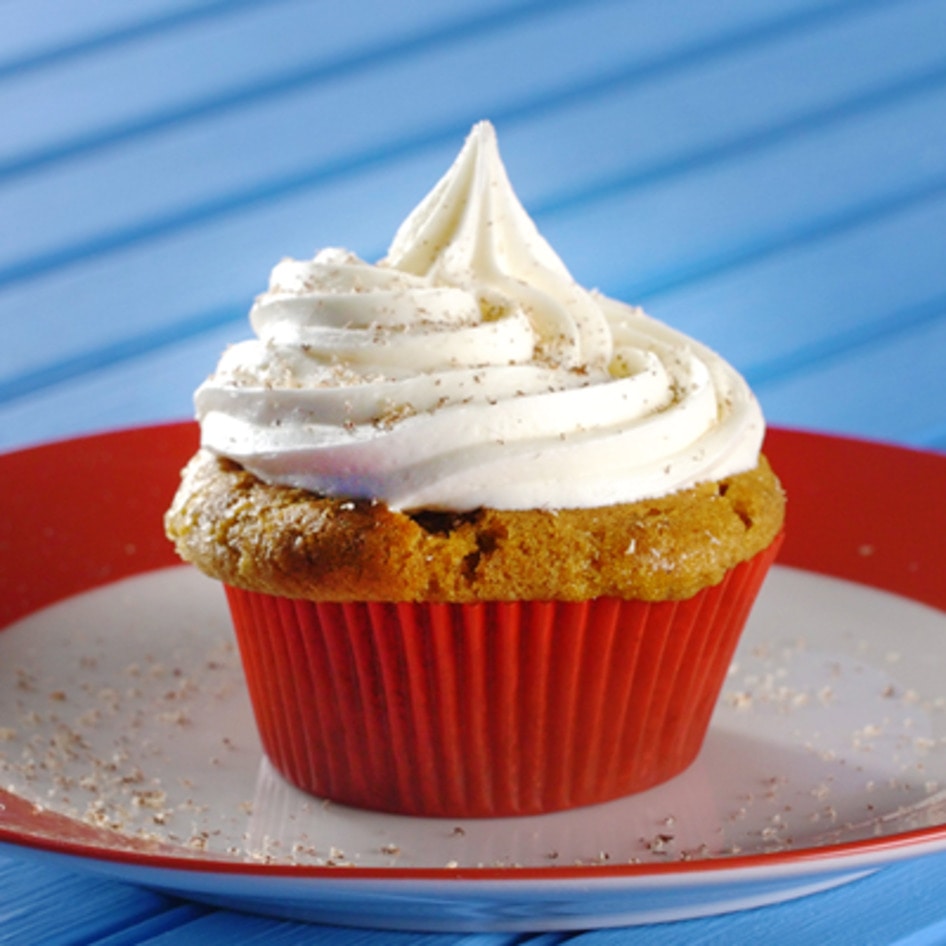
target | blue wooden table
x=767, y=176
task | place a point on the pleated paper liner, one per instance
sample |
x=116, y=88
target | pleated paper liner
x=488, y=709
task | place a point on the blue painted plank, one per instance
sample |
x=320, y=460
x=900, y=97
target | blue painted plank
x=845, y=282
x=721, y=204
x=250, y=58
x=326, y=208
x=219, y=266
x=54, y=219
x=173, y=922
x=852, y=381
x=311, y=128
x=885, y=386
x=639, y=136
x=246, y=930
x=903, y=903
x=899, y=905
x=853, y=293
x=260, y=47
x=715, y=226
x=41, y=33
x=859, y=393
x=47, y=905
x=774, y=317
x=151, y=388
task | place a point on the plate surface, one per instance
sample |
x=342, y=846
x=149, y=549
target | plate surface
x=127, y=744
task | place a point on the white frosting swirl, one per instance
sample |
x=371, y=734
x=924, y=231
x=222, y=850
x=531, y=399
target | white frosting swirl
x=467, y=368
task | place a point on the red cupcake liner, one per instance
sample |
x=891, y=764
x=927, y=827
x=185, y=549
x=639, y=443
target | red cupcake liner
x=492, y=708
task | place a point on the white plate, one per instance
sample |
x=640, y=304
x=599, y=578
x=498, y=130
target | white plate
x=128, y=747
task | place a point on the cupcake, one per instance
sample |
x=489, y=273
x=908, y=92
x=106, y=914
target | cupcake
x=488, y=538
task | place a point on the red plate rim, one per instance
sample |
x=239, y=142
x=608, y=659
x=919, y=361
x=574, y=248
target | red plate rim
x=88, y=511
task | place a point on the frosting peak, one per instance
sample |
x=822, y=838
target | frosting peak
x=467, y=368
x=471, y=230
